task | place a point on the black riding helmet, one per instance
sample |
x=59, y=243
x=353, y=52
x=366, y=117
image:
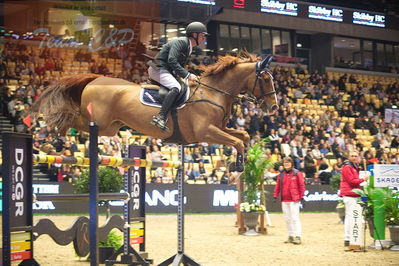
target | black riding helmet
x=196, y=27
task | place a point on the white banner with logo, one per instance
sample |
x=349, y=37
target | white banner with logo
x=386, y=175
x=391, y=115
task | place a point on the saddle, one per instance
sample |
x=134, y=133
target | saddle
x=153, y=94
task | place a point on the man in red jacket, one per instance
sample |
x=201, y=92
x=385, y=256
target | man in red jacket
x=291, y=186
x=350, y=180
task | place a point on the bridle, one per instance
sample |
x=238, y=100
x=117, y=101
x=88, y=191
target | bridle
x=263, y=92
x=260, y=68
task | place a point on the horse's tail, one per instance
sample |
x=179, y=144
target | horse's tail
x=60, y=102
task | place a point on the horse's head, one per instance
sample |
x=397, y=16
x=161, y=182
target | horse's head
x=236, y=74
x=263, y=86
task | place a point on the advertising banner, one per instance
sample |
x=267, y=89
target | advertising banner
x=279, y=7
x=368, y=19
x=386, y=175
x=162, y=198
x=137, y=183
x=17, y=183
x=326, y=13
x=16, y=186
x=391, y=116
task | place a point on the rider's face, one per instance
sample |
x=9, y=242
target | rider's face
x=201, y=40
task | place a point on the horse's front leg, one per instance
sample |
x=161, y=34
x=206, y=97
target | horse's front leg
x=216, y=135
x=244, y=136
x=241, y=134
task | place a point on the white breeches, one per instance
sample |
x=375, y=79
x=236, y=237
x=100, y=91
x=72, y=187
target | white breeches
x=166, y=79
x=291, y=216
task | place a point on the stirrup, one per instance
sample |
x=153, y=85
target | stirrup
x=160, y=122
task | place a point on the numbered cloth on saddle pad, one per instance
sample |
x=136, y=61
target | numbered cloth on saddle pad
x=151, y=96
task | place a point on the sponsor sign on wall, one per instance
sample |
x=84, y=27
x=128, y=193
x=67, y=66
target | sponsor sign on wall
x=201, y=2
x=326, y=13
x=162, y=198
x=279, y=7
x=368, y=19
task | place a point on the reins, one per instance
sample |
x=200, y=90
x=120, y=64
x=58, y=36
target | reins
x=216, y=89
x=209, y=101
x=251, y=97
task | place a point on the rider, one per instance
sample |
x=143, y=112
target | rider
x=168, y=67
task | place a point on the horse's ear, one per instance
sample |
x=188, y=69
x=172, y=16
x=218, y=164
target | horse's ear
x=266, y=62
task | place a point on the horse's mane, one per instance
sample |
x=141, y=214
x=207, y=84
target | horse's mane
x=226, y=62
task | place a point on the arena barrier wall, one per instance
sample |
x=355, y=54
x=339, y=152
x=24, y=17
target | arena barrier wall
x=162, y=198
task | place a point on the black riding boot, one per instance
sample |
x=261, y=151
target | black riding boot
x=160, y=119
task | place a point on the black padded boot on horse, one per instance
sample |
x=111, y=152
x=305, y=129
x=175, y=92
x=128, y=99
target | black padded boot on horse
x=238, y=165
x=160, y=119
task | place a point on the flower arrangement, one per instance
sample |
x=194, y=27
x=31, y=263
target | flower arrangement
x=253, y=176
x=252, y=207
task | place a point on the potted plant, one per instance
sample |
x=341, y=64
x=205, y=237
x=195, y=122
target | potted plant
x=109, y=180
x=250, y=213
x=254, y=200
x=334, y=184
x=391, y=206
x=368, y=195
x=107, y=248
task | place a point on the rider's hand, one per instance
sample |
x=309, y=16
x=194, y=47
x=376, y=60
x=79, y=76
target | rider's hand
x=192, y=77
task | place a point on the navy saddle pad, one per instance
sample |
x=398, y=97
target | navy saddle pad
x=150, y=97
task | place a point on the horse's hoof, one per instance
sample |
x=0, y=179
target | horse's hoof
x=234, y=167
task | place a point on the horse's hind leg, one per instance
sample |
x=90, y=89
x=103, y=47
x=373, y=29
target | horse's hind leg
x=216, y=135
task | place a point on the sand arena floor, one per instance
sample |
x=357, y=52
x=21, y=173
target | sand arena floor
x=213, y=240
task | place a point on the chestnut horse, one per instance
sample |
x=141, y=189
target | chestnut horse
x=115, y=103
